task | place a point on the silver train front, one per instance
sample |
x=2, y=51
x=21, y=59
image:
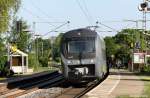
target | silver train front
x=84, y=66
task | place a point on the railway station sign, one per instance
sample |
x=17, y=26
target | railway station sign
x=139, y=58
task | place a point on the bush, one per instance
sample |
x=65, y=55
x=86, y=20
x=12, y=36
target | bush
x=57, y=59
x=146, y=69
x=148, y=60
x=5, y=67
x=32, y=60
x=3, y=61
x=43, y=61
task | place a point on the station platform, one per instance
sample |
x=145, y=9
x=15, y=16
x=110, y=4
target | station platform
x=21, y=77
x=118, y=83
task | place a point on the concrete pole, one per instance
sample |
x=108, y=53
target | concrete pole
x=42, y=48
x=26, y=63
x=34, y=33
x=10, y=61
x=8, y=53
x=22, y=64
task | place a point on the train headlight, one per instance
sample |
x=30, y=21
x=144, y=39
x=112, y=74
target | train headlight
x=92, y=61
x=69, y=62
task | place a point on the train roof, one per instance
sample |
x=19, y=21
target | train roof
x=79, y=33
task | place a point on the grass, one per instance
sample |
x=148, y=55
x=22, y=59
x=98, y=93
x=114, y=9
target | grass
x=2, y=78
x=147, y=85
x=124, y=96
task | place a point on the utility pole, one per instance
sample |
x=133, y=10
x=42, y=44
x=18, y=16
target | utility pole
x=42, y=47
x=8, y=52
x=35, y=50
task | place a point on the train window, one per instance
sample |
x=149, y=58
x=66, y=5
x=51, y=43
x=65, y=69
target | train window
x=81, y=46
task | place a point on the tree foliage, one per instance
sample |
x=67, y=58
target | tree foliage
x=21, y=39
x=56, y=47
x=124, y=42
x=47, y=50
x=2, y=58
x=43, y=48
x=7, y=9
x=111, y=46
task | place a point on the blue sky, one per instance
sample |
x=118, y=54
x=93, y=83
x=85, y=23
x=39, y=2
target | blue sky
x=80, y=13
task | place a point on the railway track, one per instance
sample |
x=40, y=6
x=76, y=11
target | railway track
x=52, y=81
x=65, y=91
x=77, y=91
x=28, y=85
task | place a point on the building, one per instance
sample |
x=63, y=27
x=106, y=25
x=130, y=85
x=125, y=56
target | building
x=18, y=60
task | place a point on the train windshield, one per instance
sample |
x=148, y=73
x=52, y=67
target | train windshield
x=81, y=46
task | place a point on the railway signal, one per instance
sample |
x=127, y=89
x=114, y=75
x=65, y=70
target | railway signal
x=18, y=26
x=144, y=6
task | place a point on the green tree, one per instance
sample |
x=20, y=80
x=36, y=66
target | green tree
x=44, y=49
x=22, y=38
x=132, y=36
x=8, y=8
x=124, y=42
x=2, y=52
x=111, y=46
x=130, y=40
x=47, y=50
x=56, y=48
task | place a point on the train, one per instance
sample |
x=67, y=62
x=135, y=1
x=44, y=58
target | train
x=83, y=55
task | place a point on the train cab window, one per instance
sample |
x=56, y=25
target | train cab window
x=81, y=46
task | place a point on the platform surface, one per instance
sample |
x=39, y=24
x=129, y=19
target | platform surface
x=118, y=83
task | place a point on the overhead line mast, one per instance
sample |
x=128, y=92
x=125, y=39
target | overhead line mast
x=144, y=8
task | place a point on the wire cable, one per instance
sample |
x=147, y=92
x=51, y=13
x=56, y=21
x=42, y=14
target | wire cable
x=87, y=10
x=31, y=13
x=107, y=26
x=56, y=28
x=40, y=10
x=44, y=13
x=84, y=12
x=34, y=15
